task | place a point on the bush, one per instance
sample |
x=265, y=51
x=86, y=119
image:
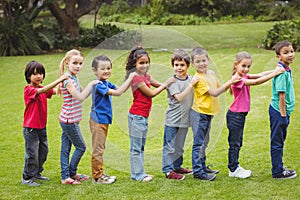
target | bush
x=280, y=13
x=283, y=31
x=87, y=37
x=116, y=7
x=17, y=37
x=102, y=36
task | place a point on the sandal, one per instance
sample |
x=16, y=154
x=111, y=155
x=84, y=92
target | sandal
x=70, y=181
x=80, y=177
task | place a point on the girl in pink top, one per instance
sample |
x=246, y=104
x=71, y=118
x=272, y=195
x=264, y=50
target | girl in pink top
x=236, y=115
x=139, y=61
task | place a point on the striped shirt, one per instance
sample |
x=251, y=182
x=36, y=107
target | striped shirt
x=71, y=111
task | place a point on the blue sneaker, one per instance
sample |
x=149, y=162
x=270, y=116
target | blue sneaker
x=286, y=174
x=205, y=177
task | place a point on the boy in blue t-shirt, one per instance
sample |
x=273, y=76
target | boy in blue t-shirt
x=281, y=108
x=101, y=114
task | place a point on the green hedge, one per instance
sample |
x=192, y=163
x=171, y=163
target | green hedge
x=283, y=31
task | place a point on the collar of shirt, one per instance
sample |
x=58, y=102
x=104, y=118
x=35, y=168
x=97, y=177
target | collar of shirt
x=280, y=64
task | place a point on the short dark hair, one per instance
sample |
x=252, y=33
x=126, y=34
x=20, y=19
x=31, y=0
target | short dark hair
x=198, y=51
x=280, y=45
x=99, y=58
x=34, y=66
x=180, y=55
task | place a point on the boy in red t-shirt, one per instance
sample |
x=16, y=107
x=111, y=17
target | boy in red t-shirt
x=35, y=119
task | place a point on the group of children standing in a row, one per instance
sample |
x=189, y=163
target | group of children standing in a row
x=193, y=101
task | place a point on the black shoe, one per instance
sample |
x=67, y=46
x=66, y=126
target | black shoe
x=286, y=174
x=43, y=178
x=206, y=177
x=210, y=171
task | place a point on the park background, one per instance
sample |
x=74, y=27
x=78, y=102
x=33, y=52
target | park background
x=222, y=41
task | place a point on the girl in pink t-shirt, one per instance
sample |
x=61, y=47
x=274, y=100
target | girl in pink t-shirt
x=236, y=115
x=139, y=61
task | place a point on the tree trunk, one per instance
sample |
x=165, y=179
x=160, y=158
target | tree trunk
x=68, y=17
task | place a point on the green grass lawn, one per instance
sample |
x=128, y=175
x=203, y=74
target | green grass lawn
x=222, y=42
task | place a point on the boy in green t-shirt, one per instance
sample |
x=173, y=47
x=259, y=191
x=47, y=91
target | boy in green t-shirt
x=281, y=108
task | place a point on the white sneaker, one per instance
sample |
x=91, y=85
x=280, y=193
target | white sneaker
x=240, y=173
x=104, y=179
x=110, y=177
x=246, y=170
x=147, y=178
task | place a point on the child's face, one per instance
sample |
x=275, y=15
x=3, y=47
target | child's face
x=201, y=62
x=243, y=67
x=142, y=65
x=180, y=67
x=74, y=64
x=36, y=78
x=103, y=70
x=287, y=55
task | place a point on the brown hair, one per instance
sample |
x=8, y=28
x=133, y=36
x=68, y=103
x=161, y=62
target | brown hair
x=198, y=51
x=280, y=45
x=135, y=54
x=238, y=58
x=180, y=55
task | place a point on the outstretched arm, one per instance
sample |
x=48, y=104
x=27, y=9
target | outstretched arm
x=181, y=96
x=255, y=76
x=52, y=85
x=152, y=93
x=120, y=90
x=154, y=82
x=84, y=94
x=265, y=78
x=216, y=92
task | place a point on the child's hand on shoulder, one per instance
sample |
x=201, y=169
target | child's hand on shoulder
x=235, y=78
x=211, y=72
x=63, y=77
x=279, y=70
x=169, y=81
x=195, y=80
x=95, y=82
x=132, y=74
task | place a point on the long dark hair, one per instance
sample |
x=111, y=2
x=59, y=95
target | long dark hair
x=135, y=54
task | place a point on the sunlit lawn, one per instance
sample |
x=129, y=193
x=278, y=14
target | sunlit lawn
x=222, y=42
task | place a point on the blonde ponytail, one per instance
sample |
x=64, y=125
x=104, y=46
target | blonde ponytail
x=68, y=56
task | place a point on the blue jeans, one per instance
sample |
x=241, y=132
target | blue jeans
x=201, y=124
x=36, y=151
x=138, y=128
x=278, y=125
x=71, y=134
x=172, y=154
x=235, y=124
